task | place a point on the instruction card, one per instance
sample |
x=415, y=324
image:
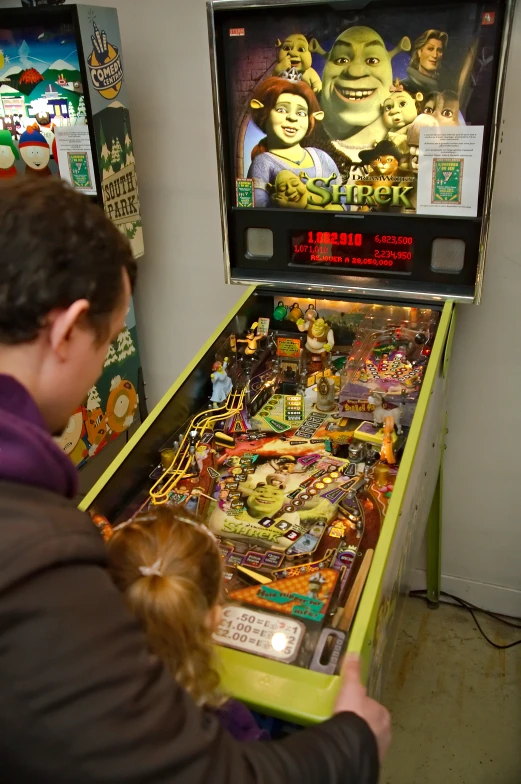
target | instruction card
x=75, y=157
x=448, y=170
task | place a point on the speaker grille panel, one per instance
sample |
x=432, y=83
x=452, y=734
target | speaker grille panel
x=448, y=255
x=259, y=243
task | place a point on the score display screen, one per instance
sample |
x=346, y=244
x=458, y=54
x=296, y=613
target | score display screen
x=353, y=250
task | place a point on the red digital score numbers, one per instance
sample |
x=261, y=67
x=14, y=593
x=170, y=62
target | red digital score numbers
x=383, y=252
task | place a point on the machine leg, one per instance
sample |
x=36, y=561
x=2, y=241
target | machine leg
x=434, y=546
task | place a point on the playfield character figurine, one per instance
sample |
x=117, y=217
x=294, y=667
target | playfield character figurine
x=381, y=413
x=315, y=583
x=295, y=58
x=221, y=383
x=252, y=340
x=321, y=338
x=280, y=312
x=295, y=313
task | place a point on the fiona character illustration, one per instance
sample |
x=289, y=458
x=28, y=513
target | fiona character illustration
x=427, y=55
x=8, y=155
x=221, y=383
x=287, y=113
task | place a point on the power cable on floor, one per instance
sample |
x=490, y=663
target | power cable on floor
x=472, y=610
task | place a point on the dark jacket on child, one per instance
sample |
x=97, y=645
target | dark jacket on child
x=81, y=699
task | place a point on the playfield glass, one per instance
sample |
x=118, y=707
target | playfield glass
x=291, y=463
x=384, y=109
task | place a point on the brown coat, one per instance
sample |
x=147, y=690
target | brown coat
x=82, y=701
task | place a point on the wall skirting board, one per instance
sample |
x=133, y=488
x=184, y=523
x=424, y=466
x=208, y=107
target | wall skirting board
x=495, y=598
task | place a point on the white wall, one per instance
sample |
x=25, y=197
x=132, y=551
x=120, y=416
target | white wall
x=482, y=516
x=181, y=296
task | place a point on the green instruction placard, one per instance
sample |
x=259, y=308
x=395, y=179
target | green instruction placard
x=79, y=170
x=244, y=193
x=447, y=180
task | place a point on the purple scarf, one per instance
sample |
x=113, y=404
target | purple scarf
x=28, y=454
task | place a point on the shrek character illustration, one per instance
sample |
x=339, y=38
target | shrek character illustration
x=426, y=59
x=8, y=155
x=443, y=107
x=266, y=501
x=320, y=337
x=356, y=80
x=35, y=152
x=287, y=113
x=294, y=61
x=289, y=191
x=400, y=109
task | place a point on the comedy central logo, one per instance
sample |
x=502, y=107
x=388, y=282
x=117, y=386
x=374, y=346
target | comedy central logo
x=106, y=71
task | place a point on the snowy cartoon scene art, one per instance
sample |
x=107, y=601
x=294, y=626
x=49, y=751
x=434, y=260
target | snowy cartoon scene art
x=40, y=90
x=63, y=113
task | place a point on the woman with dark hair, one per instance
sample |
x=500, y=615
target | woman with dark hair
x=287, y=113
x=427, y=54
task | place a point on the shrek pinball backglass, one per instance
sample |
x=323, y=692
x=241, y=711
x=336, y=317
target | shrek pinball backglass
x=326, y=105
x=356, y=140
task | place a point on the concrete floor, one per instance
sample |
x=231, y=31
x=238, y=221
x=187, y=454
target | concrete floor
x=455, y=700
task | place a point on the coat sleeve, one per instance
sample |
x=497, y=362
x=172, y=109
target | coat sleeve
x=83, y=701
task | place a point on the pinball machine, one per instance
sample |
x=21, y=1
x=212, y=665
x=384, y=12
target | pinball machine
x=356, y=145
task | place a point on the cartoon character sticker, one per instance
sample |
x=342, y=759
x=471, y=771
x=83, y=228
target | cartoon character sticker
x=121, y=405
x=8, y=155
x=71, y=440
x=35, y=152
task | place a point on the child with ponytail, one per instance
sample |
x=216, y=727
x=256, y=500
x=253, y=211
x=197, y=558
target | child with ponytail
x=169, y=570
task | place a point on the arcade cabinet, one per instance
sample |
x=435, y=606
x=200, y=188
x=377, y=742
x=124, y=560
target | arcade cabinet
x=356, y=146
x=63, y=112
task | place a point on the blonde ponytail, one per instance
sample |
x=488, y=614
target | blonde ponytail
x=171, y=576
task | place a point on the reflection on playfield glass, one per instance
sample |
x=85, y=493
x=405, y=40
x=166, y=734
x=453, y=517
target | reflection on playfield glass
x=291, y=463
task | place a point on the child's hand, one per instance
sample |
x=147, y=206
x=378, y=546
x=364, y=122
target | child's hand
x=353, y=698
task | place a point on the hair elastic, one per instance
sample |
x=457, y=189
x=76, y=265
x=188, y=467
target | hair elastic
x=149, y=571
